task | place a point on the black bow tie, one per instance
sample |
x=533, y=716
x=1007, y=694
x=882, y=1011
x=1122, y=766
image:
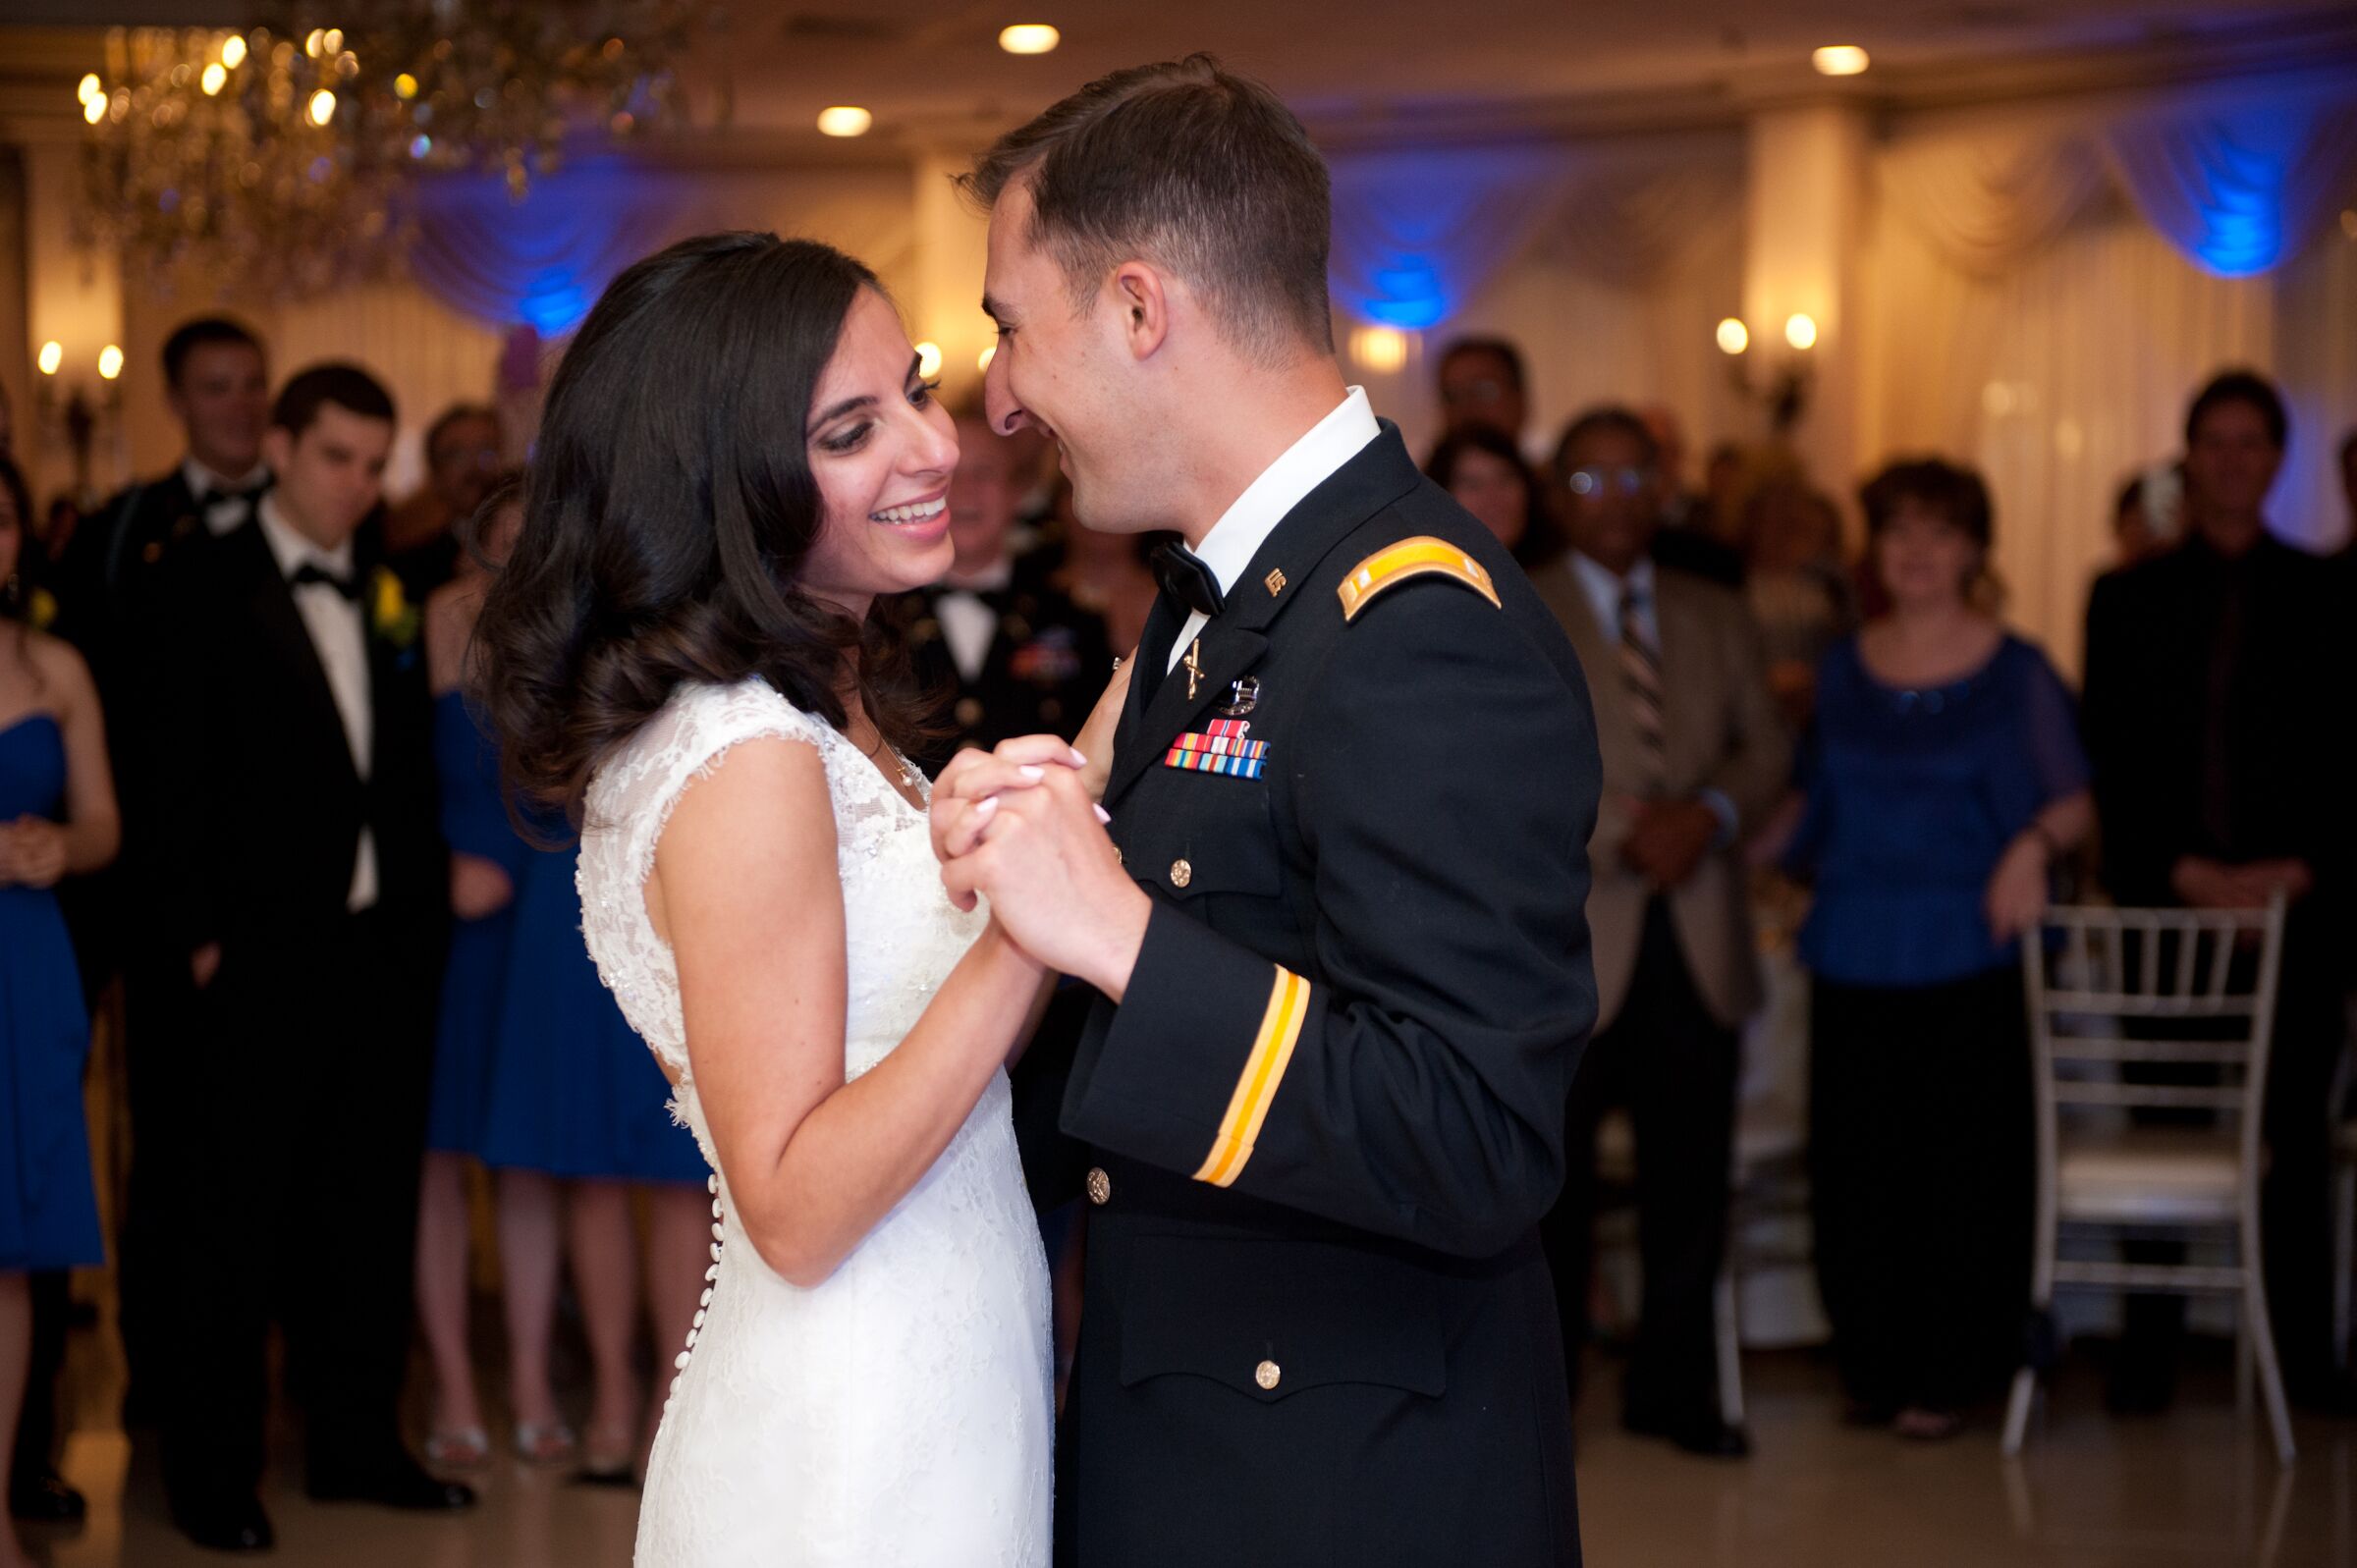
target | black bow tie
x=1185, y=578
x=311, y=572
x=222, y=498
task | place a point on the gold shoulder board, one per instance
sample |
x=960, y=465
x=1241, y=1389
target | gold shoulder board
x=1393, y=564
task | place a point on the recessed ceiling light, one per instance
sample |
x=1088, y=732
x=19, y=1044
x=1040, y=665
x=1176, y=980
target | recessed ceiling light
x=1839, y=60
x=845, y=120
x=1030, y=37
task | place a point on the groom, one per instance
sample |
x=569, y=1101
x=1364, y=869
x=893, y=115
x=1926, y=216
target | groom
x=1336, y=922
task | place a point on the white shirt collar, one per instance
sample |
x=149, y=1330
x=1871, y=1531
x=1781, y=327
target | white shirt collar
x=1600, y=579
x=202, y=482
x=292, y=549
x=1604, y=588
x=1307, y=464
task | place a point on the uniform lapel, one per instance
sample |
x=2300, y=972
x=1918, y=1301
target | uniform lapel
x=1281, y=572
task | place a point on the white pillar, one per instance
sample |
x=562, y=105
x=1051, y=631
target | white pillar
x=1807, y=212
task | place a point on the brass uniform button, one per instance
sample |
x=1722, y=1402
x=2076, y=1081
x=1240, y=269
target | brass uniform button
x=969, y=711
x=1100, y=1187
x=1182, y=873
x=1267, y=1374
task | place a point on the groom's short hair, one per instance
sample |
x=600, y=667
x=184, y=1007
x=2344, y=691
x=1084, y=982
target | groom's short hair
x=1195, y=169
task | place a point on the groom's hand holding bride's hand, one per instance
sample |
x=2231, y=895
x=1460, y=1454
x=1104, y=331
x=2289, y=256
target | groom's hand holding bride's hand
x=1020, y=827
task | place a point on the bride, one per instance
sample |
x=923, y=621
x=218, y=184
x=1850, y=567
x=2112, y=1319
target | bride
x=738, y=456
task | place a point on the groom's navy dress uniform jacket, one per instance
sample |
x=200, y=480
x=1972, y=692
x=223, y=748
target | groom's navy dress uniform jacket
x=1321, y=1127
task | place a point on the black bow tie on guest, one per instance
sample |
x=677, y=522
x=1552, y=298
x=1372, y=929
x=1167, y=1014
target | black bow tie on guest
x=244, y=498
x=1185, y=578
x=311, y=572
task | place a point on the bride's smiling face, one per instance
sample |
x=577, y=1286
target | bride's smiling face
x=881, y=449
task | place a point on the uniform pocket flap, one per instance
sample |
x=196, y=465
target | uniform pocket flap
x=1271, y=1318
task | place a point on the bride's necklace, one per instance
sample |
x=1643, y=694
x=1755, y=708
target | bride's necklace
x=899, y=764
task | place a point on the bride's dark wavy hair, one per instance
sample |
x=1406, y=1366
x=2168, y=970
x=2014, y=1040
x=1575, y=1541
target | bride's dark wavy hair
x=668, y=510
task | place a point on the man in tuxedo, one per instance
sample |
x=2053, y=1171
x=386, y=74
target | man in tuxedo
x=106, y=581
x=287, y=804
x=2214, y=714
x=217, y=383
x=1694, y=757
x=1022, y=657
x=1336, y=922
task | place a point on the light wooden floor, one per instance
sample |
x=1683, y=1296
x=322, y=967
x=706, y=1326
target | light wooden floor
x=2196, y=1489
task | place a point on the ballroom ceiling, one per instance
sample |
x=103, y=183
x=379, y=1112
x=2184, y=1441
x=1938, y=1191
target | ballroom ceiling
x=931, y=70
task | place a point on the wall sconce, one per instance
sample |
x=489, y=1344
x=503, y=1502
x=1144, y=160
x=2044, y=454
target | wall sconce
x=71, y=410
x=1380, y=349
x=1786, y=392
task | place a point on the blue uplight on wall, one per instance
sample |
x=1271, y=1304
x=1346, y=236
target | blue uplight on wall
x=554, y=302
x=2239, y=189
x=541, y=262
x=1417, y=234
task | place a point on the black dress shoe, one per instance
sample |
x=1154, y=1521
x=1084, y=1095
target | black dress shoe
x=1702, y=1433
x=398, y=1482
x=225, y=1524
x=42, y=1496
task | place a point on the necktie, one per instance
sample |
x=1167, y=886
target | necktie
x=1641, y=674
x=311, y=573
x=1186, y=579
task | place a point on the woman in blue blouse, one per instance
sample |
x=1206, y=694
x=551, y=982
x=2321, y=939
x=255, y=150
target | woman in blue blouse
x=1943, y=781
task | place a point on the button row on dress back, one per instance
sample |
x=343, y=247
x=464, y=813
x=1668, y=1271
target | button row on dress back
x=703, y=1305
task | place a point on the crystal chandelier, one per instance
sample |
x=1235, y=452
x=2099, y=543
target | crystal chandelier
x=278, y=156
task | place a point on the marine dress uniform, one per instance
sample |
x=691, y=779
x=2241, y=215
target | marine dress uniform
x=1323, y=1124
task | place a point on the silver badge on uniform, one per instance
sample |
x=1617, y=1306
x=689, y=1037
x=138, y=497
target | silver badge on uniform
x=1242, y=697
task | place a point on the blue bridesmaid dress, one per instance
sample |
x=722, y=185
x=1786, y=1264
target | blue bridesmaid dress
x=575, y=1092
x=474, y=822
x=48, y=1208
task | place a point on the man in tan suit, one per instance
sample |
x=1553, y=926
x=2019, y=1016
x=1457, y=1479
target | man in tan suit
x=1694, y=755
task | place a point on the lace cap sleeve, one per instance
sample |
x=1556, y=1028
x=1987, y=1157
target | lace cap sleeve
x=630, y=799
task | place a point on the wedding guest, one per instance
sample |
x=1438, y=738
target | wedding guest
x=1482, y=383
x=1799, y=586
x=1020, y=656
x=2147, y=516
x=465, y=457
x=216, y=382
x=303, y=880
x=58, y=819
x=1943, y=780
x=1684, y=538
x=1105, y=573
x=1694, y=757
x=1485, y=471
x=2222, y=782
x=2348, y=484
x=486, y=856
x=576, y=1117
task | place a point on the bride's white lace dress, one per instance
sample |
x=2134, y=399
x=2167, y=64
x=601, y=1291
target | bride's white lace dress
x=899, y=1415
